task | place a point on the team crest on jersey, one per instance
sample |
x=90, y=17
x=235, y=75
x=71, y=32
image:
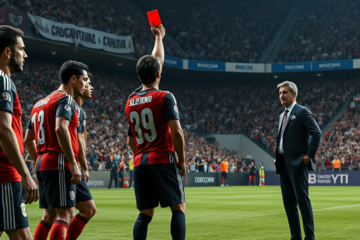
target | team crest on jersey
x=84, y=123
x=72, y=195
x=176, y=109
x=6, y=96
x=67, y=107
x=23, y=209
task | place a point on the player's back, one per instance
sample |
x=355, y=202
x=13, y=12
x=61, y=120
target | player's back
x=148, y=113
x=43, y=123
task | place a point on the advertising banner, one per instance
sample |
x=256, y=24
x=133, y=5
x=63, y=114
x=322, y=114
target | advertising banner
x=321, y=178
x=245, y=67
x=201, y=179
x=102, y=180
x=332, y=65
x=2, y=15
x=291, y=67
x=173, y=62
x=86, y=37
x=207, y=66
x=16, y=19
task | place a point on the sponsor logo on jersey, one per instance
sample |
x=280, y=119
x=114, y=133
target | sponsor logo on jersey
x=139, y=101
x=72, y=195
x=67, y=107
x=23, y=209
x=6, y=96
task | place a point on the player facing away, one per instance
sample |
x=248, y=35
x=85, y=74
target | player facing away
x=224, y=172
x=252, y=175
x=262, y=174
x=14, y=175
x=51, y=138
x=154, y=134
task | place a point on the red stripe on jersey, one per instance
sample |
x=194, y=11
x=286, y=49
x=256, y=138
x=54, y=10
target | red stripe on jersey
x=52, y=161
x=137, y=159
x=8, y=172
x=154, y=158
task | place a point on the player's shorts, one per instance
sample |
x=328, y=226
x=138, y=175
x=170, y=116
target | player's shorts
x=252, y=175
x=158, y=183
x=82, y=191
x=224, y=174
x=13, y=213
x=56, y=189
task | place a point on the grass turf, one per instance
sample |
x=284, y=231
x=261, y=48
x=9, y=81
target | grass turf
x=223, y=213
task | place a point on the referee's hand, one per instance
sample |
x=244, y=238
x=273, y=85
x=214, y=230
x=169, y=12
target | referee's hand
x=31, y=189
x=76, y=174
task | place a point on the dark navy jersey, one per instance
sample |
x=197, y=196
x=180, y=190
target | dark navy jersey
x=10, y=102
x=82, y=119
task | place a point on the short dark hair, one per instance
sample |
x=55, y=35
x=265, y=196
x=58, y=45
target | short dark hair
x=8, y=37
x=90, y=75
x=71, y=68
x=147, y=68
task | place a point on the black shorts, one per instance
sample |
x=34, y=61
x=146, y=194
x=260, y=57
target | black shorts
x=13, y=213
x=224, y=174
x=82, y=191
x=156, y=183
x=56, y=189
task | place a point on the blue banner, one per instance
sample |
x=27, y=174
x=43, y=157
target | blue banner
x=208, y=66
x=173, y=62
x=321, y=178
x=291, y=67
x=332, y=65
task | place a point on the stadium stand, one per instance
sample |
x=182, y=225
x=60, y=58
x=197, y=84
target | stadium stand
x=242, y=110
x=326, y=30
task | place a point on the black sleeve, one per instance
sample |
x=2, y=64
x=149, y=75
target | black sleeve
x=7, y=96
x=82, y=121
x=314, y=130
x=170, y=108
x=130, y=133
x=65, y=107
x=29, y=126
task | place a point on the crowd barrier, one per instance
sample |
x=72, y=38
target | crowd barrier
x=322, y=178
x=191, y=179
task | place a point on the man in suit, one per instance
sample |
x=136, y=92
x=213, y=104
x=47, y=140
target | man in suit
x=297, y=142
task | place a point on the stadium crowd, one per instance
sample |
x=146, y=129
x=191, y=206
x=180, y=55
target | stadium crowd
x=326, y=30
x=341, y=142
x=236, y=38
x=228, y=109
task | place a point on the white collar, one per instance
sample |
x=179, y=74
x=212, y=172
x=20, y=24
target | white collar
x=291, y=107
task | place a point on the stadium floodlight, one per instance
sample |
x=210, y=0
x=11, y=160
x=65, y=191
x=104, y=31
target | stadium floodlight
x=53, y=53
x=319, y=74
x=119, y=64
x=275, y=76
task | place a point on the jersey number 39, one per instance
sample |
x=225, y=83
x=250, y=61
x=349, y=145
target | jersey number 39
x=147, y=122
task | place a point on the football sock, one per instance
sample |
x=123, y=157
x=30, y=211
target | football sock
x=76, y=226
x=178, y=226
x=58, y=230
x=141, y=226
x=222, y=180
x=42, y=230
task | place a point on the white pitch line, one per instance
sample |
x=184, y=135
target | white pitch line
x=321, y=209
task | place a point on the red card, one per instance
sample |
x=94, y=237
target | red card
x=154, y=18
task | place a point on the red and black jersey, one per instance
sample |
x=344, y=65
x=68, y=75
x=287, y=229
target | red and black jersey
x=9, y=101
x=43, y=122
x=148, y=113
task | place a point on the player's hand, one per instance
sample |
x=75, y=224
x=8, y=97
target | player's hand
x=181, y=166
x=31, y=189
x=86, y=175
x=306, y=159
x=158, y=31
x=76, y=174
x=274, y=162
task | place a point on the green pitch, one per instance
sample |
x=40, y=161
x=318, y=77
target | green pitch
x=224, y=213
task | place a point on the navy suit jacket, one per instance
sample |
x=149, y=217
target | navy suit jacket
x=302, y=137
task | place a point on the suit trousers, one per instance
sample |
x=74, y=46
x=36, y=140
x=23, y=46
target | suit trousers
x=113, y=176
x=295, y=193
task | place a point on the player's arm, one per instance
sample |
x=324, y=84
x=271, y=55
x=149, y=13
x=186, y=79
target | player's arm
x=82, y=156
x=131, y=141
x=65, y=110
x=9, y=144
x=158, y=51
x=30, y=141
x=173, y=118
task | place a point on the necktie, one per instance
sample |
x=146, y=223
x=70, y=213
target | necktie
x=282, y=129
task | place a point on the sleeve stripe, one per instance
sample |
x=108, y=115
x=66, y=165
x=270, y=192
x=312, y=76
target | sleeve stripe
x=70, y=100
x=7, y=82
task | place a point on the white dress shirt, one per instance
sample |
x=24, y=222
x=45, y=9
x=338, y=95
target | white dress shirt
x=281, y=151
